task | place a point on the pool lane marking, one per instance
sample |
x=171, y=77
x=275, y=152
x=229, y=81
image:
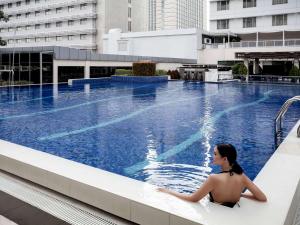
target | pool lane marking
x=113, y=121
x=193, y=138
x=74, y=106
x=35, y=99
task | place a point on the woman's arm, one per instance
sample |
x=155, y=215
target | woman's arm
x=204, y=189
x=256, y=193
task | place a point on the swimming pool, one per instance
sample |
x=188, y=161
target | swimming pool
x=159, y=133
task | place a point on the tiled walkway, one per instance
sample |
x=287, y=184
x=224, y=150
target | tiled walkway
x=23, y=213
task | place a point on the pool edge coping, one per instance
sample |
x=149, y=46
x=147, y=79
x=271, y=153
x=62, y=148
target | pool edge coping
x=140, y=202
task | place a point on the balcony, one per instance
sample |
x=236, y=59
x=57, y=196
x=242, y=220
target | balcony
x=44, y=6
x=255, y=44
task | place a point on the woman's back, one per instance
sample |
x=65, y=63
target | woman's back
x=227, y=187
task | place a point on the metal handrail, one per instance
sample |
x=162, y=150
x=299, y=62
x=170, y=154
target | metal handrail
x=280, y=114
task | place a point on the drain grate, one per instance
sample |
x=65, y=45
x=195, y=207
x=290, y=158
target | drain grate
x=54, y=204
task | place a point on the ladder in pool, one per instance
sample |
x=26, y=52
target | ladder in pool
x=278, y=120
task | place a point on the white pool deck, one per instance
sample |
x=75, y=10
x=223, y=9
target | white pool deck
x=140, y=202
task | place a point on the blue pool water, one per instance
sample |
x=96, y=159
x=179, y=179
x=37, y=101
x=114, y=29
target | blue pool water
x=163, y=134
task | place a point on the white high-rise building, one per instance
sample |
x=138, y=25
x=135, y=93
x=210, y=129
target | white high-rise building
x=176, y=14
x=78, y=24
x=246, y=16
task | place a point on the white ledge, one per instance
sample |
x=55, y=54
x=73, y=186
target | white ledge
x=141, y=203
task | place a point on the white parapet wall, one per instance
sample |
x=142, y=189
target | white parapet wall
x=212, y=54
x=165, y=43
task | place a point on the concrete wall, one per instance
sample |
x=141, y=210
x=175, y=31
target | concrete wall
x=213, y=55
x=173, y=44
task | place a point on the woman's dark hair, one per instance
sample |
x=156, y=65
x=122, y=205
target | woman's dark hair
x=228, y=150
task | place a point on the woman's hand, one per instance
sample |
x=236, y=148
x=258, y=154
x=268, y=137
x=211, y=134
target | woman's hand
x=164, y=190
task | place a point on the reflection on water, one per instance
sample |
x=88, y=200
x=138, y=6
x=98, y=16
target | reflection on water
x=148, y=93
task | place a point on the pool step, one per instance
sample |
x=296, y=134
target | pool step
x=59, y=206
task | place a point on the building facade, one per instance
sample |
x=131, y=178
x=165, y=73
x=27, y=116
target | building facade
x=246, y=16
x=176, y=14
x=78, y=24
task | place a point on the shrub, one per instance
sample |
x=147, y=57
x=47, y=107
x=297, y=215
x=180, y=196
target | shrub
x=143, y=68
x=294, y=71
x=174, y=74
x=239, y=69
x=243, y=69
x=235, y=69
x=161, y=72
x=121, y=72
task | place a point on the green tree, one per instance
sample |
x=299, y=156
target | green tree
x=239, y=69
x=243, y=69
x=4, y=18
x=294, y=71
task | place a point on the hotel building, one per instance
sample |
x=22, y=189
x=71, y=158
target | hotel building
x=176, y=14
x=71, y=23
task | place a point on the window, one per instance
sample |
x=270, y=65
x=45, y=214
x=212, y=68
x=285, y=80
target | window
x=18, y=16
x=19, y=28
x=58, y=24
x=58, y=10
x=71, y=8
x=1, y=7
x=37, y=13
x=27, y=14
x=47, y=11
x=83, y=6
x=27, y=27
x=83, y=21
x=276, y=2
x=58, y=38
x=38, y=39
x=223, y=5
x=129, y=25
x=129, y=1
x=47, y=25
x=28, y=40
x=9, y=5
x=37, y=26
x=10, y=41
x=279, y=20
x=47, y=39
x=249, y=3
x=37, y=1
x=249, y=22
x=10, y=29
x=18, y=3
x=83, y=36
x=27, y=2
x=70, y=37
x=222, y=24
x=70, y=22
x=129, y=12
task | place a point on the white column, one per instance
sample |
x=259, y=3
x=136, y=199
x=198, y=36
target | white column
x=41, y=68
x=283, y=38
x=87, y=70
x=228, y=40
x=246, y=62
x=55, y=72
x=296, y=62
x=256, y=39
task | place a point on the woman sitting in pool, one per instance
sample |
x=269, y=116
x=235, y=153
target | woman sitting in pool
x=227, y=187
